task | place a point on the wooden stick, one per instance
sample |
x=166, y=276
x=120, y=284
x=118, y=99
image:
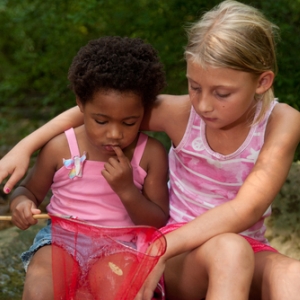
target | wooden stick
x=37, y=217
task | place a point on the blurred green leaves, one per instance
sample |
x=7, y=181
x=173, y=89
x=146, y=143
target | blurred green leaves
x=39, y=39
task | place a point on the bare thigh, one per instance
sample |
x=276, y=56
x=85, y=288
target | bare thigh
x=211, y=270
x=276, y=277
x=39, y=278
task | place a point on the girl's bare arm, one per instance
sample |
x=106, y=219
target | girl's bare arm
x=257, y=192
x=254, y=197
x=16, y=161
x=26, y=198
x=151, y=206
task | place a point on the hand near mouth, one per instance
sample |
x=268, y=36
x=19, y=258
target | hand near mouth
x=118, y=172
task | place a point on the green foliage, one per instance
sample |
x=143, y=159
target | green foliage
x=39, y=39
x=285, y=14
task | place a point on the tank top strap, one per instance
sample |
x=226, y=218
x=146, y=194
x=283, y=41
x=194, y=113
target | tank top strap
x=72, y=141
x=139, y=149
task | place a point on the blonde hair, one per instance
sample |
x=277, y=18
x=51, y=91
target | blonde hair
x=237, y=36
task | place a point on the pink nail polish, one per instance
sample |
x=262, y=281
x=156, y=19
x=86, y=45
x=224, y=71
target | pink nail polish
x=7, y=190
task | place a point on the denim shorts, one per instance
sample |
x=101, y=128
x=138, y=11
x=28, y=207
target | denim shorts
x=43, y=238
x=83, y=254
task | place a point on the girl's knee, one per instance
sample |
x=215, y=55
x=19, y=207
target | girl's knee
x=37, y=288
x=276, y=276
x=231, y=251
x=230, y=266
x=285, y=281
x=286, y=270
x=231, y=244
x=38, y=282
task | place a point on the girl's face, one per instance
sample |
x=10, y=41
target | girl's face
x=222, y=97
x=112, y=119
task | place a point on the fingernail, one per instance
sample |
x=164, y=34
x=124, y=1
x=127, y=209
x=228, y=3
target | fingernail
x=7, y=190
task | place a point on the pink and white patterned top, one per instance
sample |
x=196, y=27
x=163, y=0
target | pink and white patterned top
x=201, y=179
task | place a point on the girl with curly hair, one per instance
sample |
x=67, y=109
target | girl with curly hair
x=105, y=172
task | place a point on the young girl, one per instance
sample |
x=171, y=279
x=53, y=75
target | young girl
x=105, y=171
x=232, y=147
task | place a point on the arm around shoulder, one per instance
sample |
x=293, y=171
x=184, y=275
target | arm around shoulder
x=16, y=162
x=26, y=198
x=167, y=114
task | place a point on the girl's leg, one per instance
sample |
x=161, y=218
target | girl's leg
x=111, y=273
x=39, y=281
x=276, y=277
x=222, y=268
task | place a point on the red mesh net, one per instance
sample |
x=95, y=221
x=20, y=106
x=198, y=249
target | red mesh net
x=102, y=263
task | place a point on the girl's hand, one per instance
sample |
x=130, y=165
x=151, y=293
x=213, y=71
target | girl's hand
x=14, y=163
x=147, y=290
x=22, y=213
x=118, y=172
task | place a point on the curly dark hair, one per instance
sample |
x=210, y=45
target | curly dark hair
x=117, y=63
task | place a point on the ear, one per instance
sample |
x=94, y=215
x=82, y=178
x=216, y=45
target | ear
x=80, y=105
x=265, y=82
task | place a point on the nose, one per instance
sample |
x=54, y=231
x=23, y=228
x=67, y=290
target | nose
x=114, y=133
x=204, y=104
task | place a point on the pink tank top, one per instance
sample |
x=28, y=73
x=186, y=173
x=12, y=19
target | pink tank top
x=201, y=179
x=88, y=196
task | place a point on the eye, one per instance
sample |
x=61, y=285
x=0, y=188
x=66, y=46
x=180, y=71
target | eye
x=129, y=124
x=195, y=88
x=101, y=122
x=220, y=95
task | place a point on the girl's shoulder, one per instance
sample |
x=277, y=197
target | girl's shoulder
x=154, y=152
x=155, y=145
x=166, y=109
x=284, y=116
x=57, y=143
x=174, y=103
x=173, y=114
x=56, y=149
x=284, y=126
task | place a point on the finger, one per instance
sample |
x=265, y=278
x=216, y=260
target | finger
x=12, y=181
x=23, y=221
x=141, y=295
x=111, y=165
x=35, y=211
x=8, y=187
x=120, y=154
x=138, y=295
x=3, y=174
x=31, y=221
x=122, y=158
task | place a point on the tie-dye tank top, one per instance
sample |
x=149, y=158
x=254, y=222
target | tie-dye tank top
x=201, y=179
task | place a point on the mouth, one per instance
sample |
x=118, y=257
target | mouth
x=110, y=148
x=205, y=119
